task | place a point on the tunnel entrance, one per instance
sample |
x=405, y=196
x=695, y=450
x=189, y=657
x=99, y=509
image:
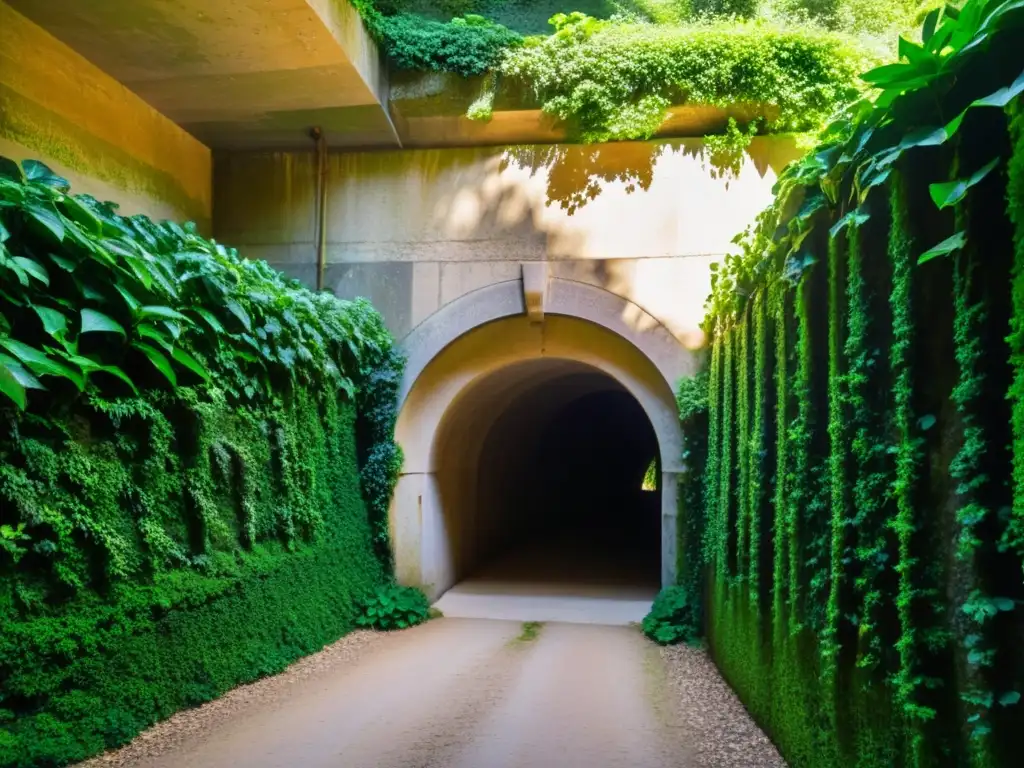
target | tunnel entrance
x=541, y=471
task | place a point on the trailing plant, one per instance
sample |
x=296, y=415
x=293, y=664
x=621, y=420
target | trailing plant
x=467, y=45
x=672, y=618
x=914, y=663
x=392, y=606
x=597, y=76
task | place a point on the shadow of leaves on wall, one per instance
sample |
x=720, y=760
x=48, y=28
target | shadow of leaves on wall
x=577, y=174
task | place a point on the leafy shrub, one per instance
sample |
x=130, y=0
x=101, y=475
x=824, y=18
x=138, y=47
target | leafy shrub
x=467, y=45
x=393, y=606
x=616, y=80
x=672, y=618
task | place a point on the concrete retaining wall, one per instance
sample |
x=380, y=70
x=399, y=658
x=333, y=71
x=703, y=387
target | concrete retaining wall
x=416, y=230
x=57, y=107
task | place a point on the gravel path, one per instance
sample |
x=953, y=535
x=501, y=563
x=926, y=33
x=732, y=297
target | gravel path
x=470, y=693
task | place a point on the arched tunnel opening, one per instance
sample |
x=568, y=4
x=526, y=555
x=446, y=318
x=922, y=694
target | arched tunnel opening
x=545, y=482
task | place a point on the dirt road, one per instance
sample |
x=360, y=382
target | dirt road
x=459, y=693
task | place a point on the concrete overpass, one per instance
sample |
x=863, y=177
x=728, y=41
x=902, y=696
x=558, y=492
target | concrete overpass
x=546, y=293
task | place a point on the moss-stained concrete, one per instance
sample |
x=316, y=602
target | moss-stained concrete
x=59, y=108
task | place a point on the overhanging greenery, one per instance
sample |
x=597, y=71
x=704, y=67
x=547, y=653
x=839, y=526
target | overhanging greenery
x=862, y=550
x=610, y=70
x=184, y=435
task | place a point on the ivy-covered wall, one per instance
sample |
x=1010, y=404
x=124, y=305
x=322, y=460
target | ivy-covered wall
x=196, y=459
x=862, y=551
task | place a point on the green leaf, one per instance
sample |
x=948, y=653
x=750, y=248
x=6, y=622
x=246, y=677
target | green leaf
x=211, y=321
x=165, y=312
x=914, y=53
x=952, y=192
x=39, y=173
x=34, y=268
x=54, y=321
x=97, y=322
x=24, y=377
x=1003, y=603
x=855, y=217
x=152, y=332
x=1009, y=698
x=64, y=263
x=12, y=388
x=926, y=422
x=946, y=247
x=930, y=21
x=131, y=301
x=1003, y=96
x=78, y=213
x=888, y=74
x=185, y=359
x=48, y=217
x=159, y=361
x=41, y=364
x=238, y=311
x=113, y=370
x=11, y=171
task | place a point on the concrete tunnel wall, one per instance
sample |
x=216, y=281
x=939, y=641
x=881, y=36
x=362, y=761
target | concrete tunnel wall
x=500, y=382
x=441, y=240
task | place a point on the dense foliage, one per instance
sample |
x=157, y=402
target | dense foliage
x=610, y=70
x=616, y=81
x=672, y=618
x=180, y=502
x=862, y=480
x=392, y=606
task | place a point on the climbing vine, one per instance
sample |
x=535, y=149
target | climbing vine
x=758, y=445
x=892, y=633
x=180, y=506
x=1015, y=211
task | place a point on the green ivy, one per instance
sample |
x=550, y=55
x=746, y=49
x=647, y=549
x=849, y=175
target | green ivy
x=1015, y=212
x=599, y=77
x=897, y=527
x=838, y=481
x=180, y=480
x=742, y=446
x=692, y=401
x=758, y=447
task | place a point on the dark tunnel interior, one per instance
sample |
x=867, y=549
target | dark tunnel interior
x=555, y=491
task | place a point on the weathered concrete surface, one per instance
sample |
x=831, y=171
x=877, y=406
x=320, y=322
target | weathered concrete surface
x=643, y=220
x=556, y=580
x=490, y=393
x=236, y=72
x=57, y=107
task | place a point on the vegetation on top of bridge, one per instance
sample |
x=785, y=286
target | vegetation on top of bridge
x=863, y=485
x=610, y=70
x=196, y=460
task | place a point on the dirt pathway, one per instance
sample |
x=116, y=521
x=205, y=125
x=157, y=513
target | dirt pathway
x=458, y=693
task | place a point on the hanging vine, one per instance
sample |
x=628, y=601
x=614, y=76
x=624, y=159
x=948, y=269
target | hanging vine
x=779, y=536
x=725, y=469
x=757, y=446
x=838, y=479
x=1015, y=210
x=712, y=475
x=908, y=680
x=743, y=444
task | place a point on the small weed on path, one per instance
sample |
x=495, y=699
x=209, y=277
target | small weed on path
x=530, y=631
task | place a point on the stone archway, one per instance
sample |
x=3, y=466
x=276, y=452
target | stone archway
x=484, y=363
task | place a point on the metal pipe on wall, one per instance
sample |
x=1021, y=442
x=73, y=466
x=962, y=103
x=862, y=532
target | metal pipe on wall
x=317, y=135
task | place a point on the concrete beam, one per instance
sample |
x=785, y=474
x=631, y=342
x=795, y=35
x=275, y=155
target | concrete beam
x=267, y=65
